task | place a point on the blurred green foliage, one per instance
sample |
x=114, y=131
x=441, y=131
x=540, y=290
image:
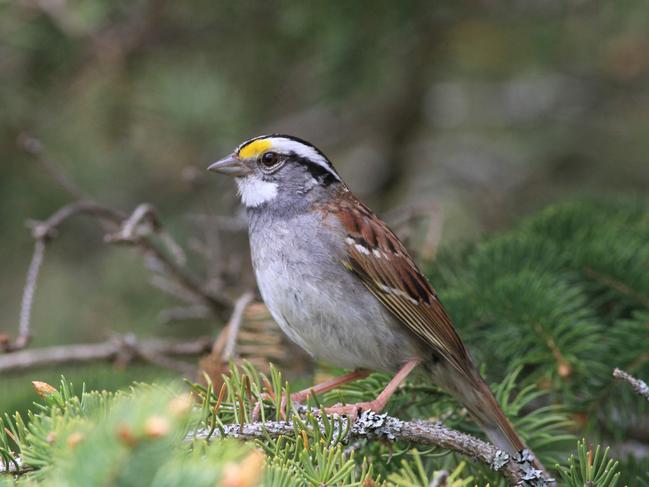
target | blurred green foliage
x=486, y=109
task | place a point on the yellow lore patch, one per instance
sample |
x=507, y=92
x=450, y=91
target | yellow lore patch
x=254, y=148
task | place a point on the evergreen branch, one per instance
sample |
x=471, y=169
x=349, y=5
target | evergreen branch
x=638, y=385
x=618, y=285
x=15, y=467
x=122, y=349
x=372, y=426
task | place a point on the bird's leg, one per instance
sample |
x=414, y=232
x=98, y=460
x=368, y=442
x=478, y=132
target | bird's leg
x=382, y=400
x=316, y=389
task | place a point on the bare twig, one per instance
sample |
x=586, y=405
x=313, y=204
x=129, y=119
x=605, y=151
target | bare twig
x=34, y=147
x=47, y=229
x=235, y=323
x=136, y=229
x=28, y=294
x=373, y=426
x=43, y=232
x=638, y=385
x=123, y=349
x=183, y=313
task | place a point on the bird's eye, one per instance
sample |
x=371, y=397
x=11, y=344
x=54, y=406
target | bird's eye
x=269, y=159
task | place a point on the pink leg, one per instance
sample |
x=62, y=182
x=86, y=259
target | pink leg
x=382, y=400
x=328, y=385
x=316, y=389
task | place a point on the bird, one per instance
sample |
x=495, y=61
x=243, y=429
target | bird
x=342, y=286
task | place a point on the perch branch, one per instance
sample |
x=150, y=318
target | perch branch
x=638, y=385
x=370, y=426
x=373, y=426
x=122, y=349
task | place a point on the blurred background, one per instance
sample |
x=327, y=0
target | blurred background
x=465, y=114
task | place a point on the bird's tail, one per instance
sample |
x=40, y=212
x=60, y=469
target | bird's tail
x=471, y=390
x=482, y=405
x=493, y=421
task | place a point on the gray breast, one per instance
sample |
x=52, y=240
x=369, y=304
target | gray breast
x=316, y=301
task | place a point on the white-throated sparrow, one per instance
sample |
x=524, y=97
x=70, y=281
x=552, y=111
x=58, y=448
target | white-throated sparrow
x=342, y=285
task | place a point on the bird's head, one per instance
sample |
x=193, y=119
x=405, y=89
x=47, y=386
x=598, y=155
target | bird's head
x=277, y=169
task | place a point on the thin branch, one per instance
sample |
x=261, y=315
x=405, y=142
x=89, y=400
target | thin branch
x=134, y=231
x=34, y=147
x=43, y=232
x=373, y=426
x=235, y=323
x=47, y=229
x=29, y=290
x=123, y=349
x=638, y=385
x=184, y=313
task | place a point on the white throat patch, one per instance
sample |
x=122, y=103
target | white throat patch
x=255, y=192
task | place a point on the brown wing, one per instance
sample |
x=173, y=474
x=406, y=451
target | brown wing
x=379, y=259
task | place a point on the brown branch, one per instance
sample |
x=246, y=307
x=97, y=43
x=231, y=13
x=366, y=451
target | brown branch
x=26, y=304
x=43, y=232
x=184, y=313
x=122, y=349
x=34, y=147
x=234, y=324
x=638, y=385
x=373, y=426
x=136, y=229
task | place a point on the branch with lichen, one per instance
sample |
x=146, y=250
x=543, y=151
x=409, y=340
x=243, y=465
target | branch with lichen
x=370, y=426
x=378, y=427
x=638, y=385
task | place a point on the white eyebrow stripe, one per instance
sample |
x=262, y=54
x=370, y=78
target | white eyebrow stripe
x=286, y=146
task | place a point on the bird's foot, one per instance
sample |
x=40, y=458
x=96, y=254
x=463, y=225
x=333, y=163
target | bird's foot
x=296, y=397
x=353, y=410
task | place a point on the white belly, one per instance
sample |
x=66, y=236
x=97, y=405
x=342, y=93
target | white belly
x=324, y=308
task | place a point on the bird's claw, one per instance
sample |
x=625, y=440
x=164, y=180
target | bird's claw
x=296, y=398
x=352, y=410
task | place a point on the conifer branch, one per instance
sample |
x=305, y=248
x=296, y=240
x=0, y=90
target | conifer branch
x=618, y=285
x=372, y=426
x=638, y=385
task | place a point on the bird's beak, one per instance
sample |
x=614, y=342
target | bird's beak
x=230, y=165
